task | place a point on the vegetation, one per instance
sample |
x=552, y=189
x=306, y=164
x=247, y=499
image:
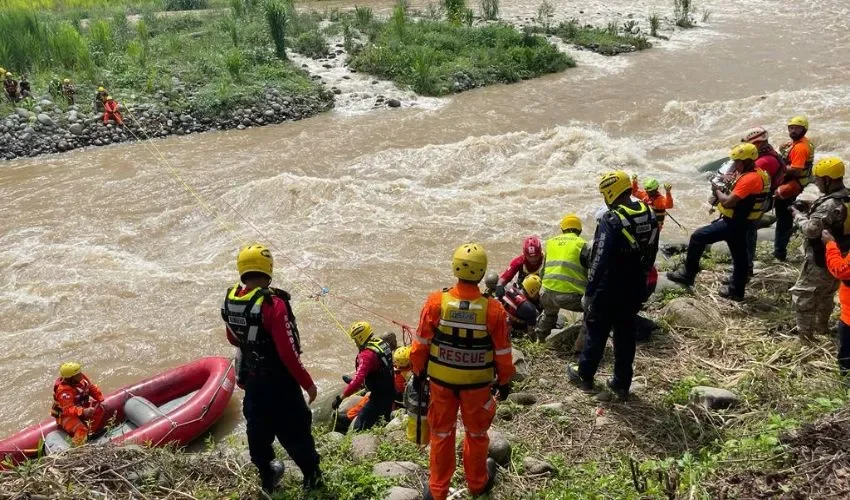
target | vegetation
x=437, y=58
x=606, y=41
x=654, y=24
x=545, y=12
x=185, y=4
x=490, y=10
x=683, y=13
x=454, y=10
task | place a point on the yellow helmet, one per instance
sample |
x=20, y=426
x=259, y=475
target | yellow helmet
x=800, y=121
x=109, y=98
x=745, y=151
x=360, y=332
x=401, y=357
x=531, y=284
x=829, y=167
x=613, y=184
x=571, y=221
x=101, y=89
x=67, y=80
x=255, y=258
x=69, y=369
x=469, y=262
x=9, y=75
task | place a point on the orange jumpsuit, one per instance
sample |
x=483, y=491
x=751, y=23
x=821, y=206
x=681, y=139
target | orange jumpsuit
x=477, y=406
x=110, y=112
x=659, y=204
x=70, y=400
x=399, y=381
x=839, y=266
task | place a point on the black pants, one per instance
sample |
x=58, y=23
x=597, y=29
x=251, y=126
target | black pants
x=784, y=227
x=752, y=239
x=734, y=233
x=374, y=409
x=598, y=324
x=843, y=348
x=274, y=407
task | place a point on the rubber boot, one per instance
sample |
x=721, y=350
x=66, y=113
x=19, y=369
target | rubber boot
x=313, y=481
x=727, y=294
x=270, y=477
x=621, y=394
x=680, y=277
x=575, y=378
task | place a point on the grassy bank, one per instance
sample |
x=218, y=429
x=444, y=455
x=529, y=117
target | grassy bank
x=610, y=40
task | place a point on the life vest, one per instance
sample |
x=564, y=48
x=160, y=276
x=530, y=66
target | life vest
x=243, y=315
x=563, y=271
x=752, y=207
x=660, y=213
x=778, y=177
x=381, y=383
x=82, y=394
x=11, y=86
x=840, y=231
x=640, y=229
x=806, y=178
x=461, y=353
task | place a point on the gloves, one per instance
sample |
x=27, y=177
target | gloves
x=336, y=403
x=503, y=391
x=346, y=379
x=667, y=186
x=500, y=291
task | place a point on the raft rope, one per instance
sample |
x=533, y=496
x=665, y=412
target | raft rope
x=324, y=292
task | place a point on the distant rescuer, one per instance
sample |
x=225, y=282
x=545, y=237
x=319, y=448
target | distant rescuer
x=462, y=346
x=813, y=293
x=739, y=212
x=529, y=262
x=68, y=90
x=77, y=404
x=799, y=158
x=624, y=250
x=110, y=111
x=374, y=369
x=260, y=322
x=657, y=202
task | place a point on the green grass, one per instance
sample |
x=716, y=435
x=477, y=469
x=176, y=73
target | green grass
x=606, y=41
x=430, y=56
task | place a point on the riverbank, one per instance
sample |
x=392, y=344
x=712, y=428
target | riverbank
x=726, y=403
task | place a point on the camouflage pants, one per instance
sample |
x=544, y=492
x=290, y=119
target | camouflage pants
x=552, y=303
x=813, y=299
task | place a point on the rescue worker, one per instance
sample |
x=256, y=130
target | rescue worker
x=564, y=274
x=521, y=303
x=25, y=87
x=68, y=90
x=110, y=111
x=624, y=250
x=774, y=166
x=812, y=295
x=658, y=203
x=99, y=99
x=77, y=404
x=462, y=346
x=839, y=266
x=799, y=157
x=374, y=370
x=530, y=262
x=739, y=212
x=260, y=322
x=11, y=87
x=401, y=373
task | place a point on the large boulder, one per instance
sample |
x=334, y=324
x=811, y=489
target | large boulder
x=689, y=312
x=564, y=340
x=323, y=414
x=521, y=365
x=714, y=398
x=364, y=446
x=500, y=448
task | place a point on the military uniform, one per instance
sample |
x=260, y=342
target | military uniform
x=812, y=296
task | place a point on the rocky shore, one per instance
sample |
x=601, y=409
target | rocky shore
x=48, y=128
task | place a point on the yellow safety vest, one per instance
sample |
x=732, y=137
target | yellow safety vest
x=461, y=354
x=562, y=269
x=753, y=206
x=810, y=161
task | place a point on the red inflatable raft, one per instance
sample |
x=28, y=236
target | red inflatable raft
x=174, y=407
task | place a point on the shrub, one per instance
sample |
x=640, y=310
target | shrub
x=490, y=9
x=234, y=63
x=682, y=10
x=654, y=24
x=454, y=10
x=69, y=49
x=185, y=4
x=230, y=25
x=399, y=20
x=311, y=44
x=545, y=11
x=363, y=17
x=238, y=8
x=100, y=40
x=276, y=17
x=468, y=16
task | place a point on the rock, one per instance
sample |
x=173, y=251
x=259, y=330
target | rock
x=244, y=457
x=689, y=312
x=714, y=398
x=76, y=129
x=602, y=421
x=240, y=127
x=522, y=398
x=393, y=103
x=269, y=113
x=504, y=412
x=766, y=234
x=45, y=120
x=552, y=408
x=364, y=446
x=349, y=403
x=45, y=103
x=399, y=493
x=720, y=250
x=500, y=449
x=73, y=116
x=321, y=408
x=395, y=424
x=290, y=469
x=521, y=365
x=396, y=469
x=22, y=113
x=564, y=340
x=337, y=91
x=334, y=437
x=666, y=284
x=534, y=466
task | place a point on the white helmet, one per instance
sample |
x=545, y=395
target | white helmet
x=757, y=134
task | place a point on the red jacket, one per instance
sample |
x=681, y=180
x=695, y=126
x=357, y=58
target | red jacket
x=276, y=323
x=518, y=263
x=367, y=362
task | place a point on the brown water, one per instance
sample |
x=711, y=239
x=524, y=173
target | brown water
x=105, y=258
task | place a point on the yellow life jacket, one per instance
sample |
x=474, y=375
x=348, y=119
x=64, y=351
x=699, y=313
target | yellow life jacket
x=461, y=353
x=752, y=207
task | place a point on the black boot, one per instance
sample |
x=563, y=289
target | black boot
x=575, y=378
x=727, y=293
x=680, y=277
x=426, y=493
x=313, y=481
x=270, y=477
x=621, y=394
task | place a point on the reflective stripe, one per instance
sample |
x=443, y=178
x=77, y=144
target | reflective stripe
x=461, y=353
x=465, y=326
x=442, y=435
x=562, y=268
x=477, y=434
x=564, y=277
x=421, y=340
x=238, y=309
x=252, y=333
x=506, y=350
x=489, y=404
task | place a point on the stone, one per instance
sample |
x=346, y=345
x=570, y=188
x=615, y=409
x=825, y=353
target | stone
x=714, y=398
x=76, y=129
x=766, y=234
x=22, y=113
x=244, y=457
x=534, y=466
x=45, y=120
x=337, y=91
x=602, y=421
x=552, y=407
x=240, y=127
x=45, y=103
x=720, y=250
x=334, y=437
x=291, y=469
x=364, y=446
x=564, y=340
x=395, y=424
x=500, y=448
x=185, y=118
x=323, y=414
x=666, y=284
x=396, y=469
x=400, y=493
x=269, y=113
x=504, y=412
x=522, y=398
x=689, y=312
x=393, y=103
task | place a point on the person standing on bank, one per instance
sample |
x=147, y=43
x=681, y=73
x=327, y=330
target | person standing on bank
x=260, y=322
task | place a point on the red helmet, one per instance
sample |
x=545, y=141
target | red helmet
x=532, y=248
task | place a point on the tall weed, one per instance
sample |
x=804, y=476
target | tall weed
x=185, y=4
x=454, y=10
x=545, y=11
x=490, y=9
x=363, y=17
x=277, y=18
x=682, y=10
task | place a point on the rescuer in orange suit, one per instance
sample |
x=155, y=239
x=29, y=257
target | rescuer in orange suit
x=462, y=347
x=110, y=111
x=77, y=404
